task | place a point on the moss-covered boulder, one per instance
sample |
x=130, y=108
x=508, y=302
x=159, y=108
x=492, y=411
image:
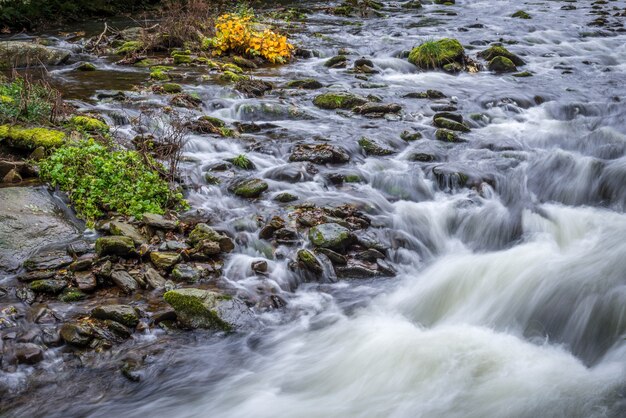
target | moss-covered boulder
x=115, y=245
x=172, y=88
x=199, y=308
x=338, y=61
x=16, y=54
x=372, y=147
x=250, y=188
x=48, y=286
x=88, y=124
x=164, y=260
x=233, y=77
x=446, y=135
x=332, y=236
x=453, y=125
x=307, y=83
x=31, y=138
x=124, y=314
x=436, y=54
x=309, y=262
x=502, y=65
x=500, y=51
x=520, y=14
x=203, y=233
x=86, y=66
x=129, y=48
x=339, y=100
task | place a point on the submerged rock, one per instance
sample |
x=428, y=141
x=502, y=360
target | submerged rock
x=500, y=51
x=198, y=308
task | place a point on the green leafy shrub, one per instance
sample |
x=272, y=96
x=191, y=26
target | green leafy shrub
x=24, y=101
x=99, y=179
x=242, y=161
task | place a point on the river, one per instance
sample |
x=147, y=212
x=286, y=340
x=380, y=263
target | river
x=509, y=298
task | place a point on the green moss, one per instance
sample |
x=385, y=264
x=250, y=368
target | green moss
x=31, y=138
x=500, y=51
x=89, y=124
x=172, y=88
x=96, y=177
x=251, y=188
x=352, y=178
x=196, y=308
x=159, y=75
x=435, y=54
x=502, y=65
x=129, y=47
x=340, y=100
x=72, y=295
x=182, y=59
x=446, y=135
x=232, y=67
x=233, y=77
x=86, y=66
x=520, y=14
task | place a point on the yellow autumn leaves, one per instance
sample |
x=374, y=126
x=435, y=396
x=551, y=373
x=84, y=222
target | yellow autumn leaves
x=235, y=33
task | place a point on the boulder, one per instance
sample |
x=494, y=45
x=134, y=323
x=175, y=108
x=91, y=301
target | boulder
x=164, y=260
x=127, y=230
x=319, y=154
x=48, y=260
x=308, y=260
x=48, y=286
x=124, y=281
x=198, y=308
x=371, y=147
x=15, y=54
x=250, y=188
x=124, y=314
x=76, y=334
x=502, y=65
x=437, y=54
x=158, y=221
x=339, y=100
x=332, y=236
x=115, y=245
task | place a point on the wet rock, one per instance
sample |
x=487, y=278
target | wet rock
x=71, y=294
x=48, y=286
x=259, y=266
x=85, y=281
x=250, y=188
x=319, y=154
x=28, y=353
x=158, y=221
x=371, y=147
x=185, y=100
x=124, y=281
x=286, y=236
x=309, y=84
x=49, y=260
x=438, y=54
x=78, y=248
x=198, y=308
x=355, y=271
x=16, y=54
x=377, y=109
x=124, y=314
x=309, y=262
x=447, y=135
x=428, y=94
x=502, y=65
x=171, y=245
x=339, y=100
x=164, y=260
x=76, y=334
x=83, y=262
x=410, y=136
x=334, y=257
x=25, y=295
x=285, y=197
x=31, y=276
x=338, y=61
x=126, y=230
x=450, y=124
x=203, y=232
x=500, y=51
x=207, y=248
x=369, y=255
x=185, y=273
x=115, y=245
x=520, y=14
x=13, y=176
x=253, y=87
x=86, y=66
x=332, y=236
x=154, y=279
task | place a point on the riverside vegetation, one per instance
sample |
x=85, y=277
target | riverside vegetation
x=208, y=185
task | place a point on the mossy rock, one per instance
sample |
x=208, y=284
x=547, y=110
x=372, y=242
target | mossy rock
x=332, y=236
x=244, y=62
x=198, y=308
x=285, y=197
x=523, y=74
x=159, y=75
x=129, y=47
x=520, y=14
x=88, y=124
x=502, y=65
x=124, y=314
x=336, y=61
x=500, y=51
x=251, y=188
x=233, y=77
x=340, y=100
x=233, y=68
x=409, y=136
x=450, y=124
x=172, y=88
x=164, y=260
x=217, y=122
x=372, y=148
x=31, y=138
x=436, y=54
x=447, y=135
x=308, y=260
x=72, y=295
x=48, y=286
x=86, y=66
x=115, y=245
x=307, y=83
x=182, y=59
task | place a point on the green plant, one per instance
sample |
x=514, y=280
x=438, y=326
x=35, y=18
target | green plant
x=242, y=161
x=22, y=100
x=99, y=179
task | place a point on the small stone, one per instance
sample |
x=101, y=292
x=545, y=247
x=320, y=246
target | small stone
x=28, y=353
x=450, y=125
x=309, y=84
x=124, y=281
x=76, y=334
x=126, y=230
x=78, y=248
x=72, y=295
x=250, y=188
x=285, y=197
x=333, y=256
x=154, y=279
x=85, y=281
x=86, y=66
x=48, y=286
x=164, y=260
x=372, y=148
x=319, y=154
x=82, y=263
x=308, y=260
x=124, y=314
x=185, y=273
x=31, y=276
x=332, y=236
x=338, y=61
x=447, y=135
x=158, y=221
x=115, y=245
x=259, y=266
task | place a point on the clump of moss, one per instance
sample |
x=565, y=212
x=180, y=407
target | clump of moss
x=172, y=88
x=520, y=14
x=129, y=47
x=88, y=124
x=159, y=75
x=436, y=54
x=98, y=179
x=31, y=138
x=340, y=100
x=232, y=67
x=233, y=77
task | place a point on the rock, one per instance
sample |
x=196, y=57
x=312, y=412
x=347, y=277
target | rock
x=126, y=230
x=436, y=54
x=198, y=308
x=309, y=84
x=338, y=61
x=356, y=271
x=208, y=248
x=31, y=276
x=308, y=260
x=372, y=148
x=86, y=66
x=164, y=260
x=333, y=256
x=250, y=188
x=124, y=314
x=203, y=232
x=72, y=295
x=446, y=135
x=371, y=255
x=28, y=353
x=500, y=51
x=171, y=245
x=339, y=100
x=48, y=286
x=332, y=236
x=51, y=260
x=12, y=177
x=85, y=281
x=377, y=109
x=319, y=154
x=520, y=14
x=450, y=124
x=502, y=65
x=259, y=266
x=15, y=54
x=409, y=136
x=29, y=218
x=76, y=334
x=244, y=62
x=115, y=245
x=78, y=248
x=154, y=279
x=285, y=197
x=83, y=262
x=124, y=281
x=28, y=139
x=158, y=221
x=253, y=87
x=185, y=273
x=428, y=94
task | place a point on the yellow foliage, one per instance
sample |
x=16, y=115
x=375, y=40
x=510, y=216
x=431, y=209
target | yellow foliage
x=235, y=33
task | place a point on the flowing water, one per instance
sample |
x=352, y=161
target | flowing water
x=510, y=297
